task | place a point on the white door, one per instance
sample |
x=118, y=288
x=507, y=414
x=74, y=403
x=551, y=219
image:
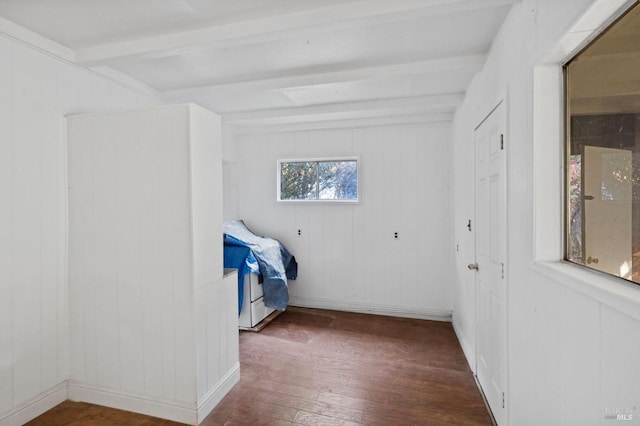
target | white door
x=490, y=260
x=607, y=210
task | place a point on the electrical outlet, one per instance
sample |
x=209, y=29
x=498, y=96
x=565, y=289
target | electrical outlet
x=395, y=235
x=299, y=232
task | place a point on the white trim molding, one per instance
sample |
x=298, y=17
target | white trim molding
x=36, y=406
x=548, y=143
x=218, y=392
x=367, y=308
x=468, y=348
x=170, y=410
x=143, y=404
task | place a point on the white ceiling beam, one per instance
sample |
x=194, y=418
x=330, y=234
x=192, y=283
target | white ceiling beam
x=382, y=107
x=125, y=80
x=43, y=44
x=337, y=115
x=472, y=63
x=350, y=15
x=347, y=123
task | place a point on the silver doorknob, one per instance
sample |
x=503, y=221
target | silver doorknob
x=473, y=266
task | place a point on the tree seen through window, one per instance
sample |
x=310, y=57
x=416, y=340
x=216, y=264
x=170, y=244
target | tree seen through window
x=319, y=180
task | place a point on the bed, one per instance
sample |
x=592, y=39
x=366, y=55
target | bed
x=253, y=310
x=264, y=265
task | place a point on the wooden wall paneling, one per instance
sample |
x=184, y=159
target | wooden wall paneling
x=26, y=241
x=77, y=248
x=360, y=282
x=620, y=345
x=264, y=182
x=218, y=344
x=347, y=254
x=130, y=250
x=337, y=221
x=315, y=284
x=217, y=330
x=299, y=246
x=52, y=227
x=439, y=231
x=286, y=227
x=413, y=160
x=7, y=187
x=409, y=248
x=36, y=91
x=582, y=332
x=394, y=181
x=180, y=294
x=247, y=168
x=202, y=299
x=377, y=202
x=185, y=341
x=104, y=258
x=236, y=171
x=151, y=266
x=206, y=208
x=152, y=204
x=428, y=230
x=543, y=331
x=338, y=250
x=230, y=324
x=225, y=330
x=216, y=326
x=305, y=221
x=168, y=164
x=549, y=330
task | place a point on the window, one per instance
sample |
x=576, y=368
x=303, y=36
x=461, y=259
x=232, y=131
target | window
x=333, y=179
x=603, y=151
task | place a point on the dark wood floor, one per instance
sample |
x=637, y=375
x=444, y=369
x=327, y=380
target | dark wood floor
x=82, y=414
x=315, y=367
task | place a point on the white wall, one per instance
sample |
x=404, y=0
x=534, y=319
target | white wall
x=347, y=256
x=572, y=353
x=145, y=260
x=36, y=92
x=130, y=261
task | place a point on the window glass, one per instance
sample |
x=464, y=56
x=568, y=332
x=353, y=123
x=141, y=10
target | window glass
x=603, y=151
x=326, y=180
x=338, y=180
x=299, y=180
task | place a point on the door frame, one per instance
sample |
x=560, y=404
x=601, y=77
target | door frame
x=504, y=118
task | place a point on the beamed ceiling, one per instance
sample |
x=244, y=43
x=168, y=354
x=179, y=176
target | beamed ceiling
x=276, y=64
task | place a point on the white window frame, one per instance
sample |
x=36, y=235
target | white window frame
x=318, y=160
x=548, y=154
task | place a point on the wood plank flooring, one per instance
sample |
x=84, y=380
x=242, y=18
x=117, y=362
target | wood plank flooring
x=71, y=413
x=316, y=367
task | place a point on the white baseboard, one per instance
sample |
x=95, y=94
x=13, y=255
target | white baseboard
x=176, y=411
x=394, y=311
x=34, y=407
x=170, y=410
x=76, y=391
x=467, y=347
x=218, y=392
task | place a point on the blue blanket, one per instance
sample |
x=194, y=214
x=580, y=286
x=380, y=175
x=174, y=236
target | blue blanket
x=275, y=262
x=240, y=258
